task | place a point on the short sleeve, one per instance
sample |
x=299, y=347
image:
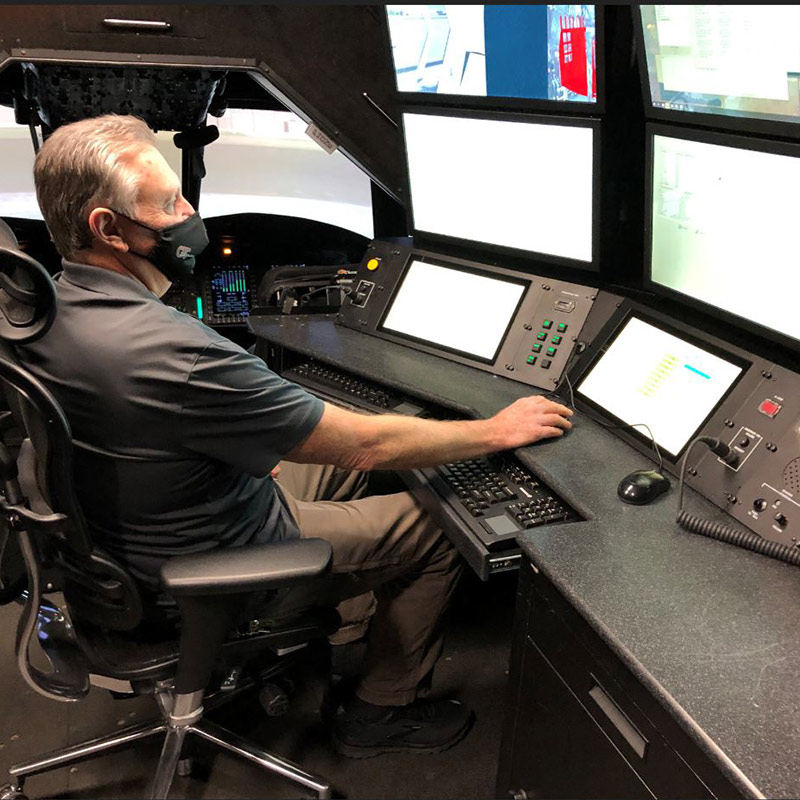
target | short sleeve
x=237, y=410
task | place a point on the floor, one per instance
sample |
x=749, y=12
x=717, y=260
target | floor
x=473, y=668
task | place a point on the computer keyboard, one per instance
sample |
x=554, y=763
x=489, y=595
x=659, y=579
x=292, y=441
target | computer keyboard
x=490, y=499
x=346, y=389
x=502, y=497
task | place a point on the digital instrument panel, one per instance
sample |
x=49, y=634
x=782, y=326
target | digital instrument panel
x=722, y=219
x=517, y=183
x=502, y=321
x=539, y=52
x=228, y=293
x=650, y=376
x=735, y=61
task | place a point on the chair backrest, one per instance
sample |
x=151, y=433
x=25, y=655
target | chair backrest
x=40, y=509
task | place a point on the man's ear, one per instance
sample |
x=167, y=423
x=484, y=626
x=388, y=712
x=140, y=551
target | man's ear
x=105, y=228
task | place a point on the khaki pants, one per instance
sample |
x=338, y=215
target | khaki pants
x=393, y=569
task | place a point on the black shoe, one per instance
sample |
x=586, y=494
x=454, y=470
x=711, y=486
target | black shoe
x=361, y=730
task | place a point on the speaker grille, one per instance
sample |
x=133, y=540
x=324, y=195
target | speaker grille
x=791, y=476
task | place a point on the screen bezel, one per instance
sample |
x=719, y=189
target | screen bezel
x=476, y=102
x=617, y=325
x=223, y=268
x=733, y=123
x=431, y=241
x=524, y=282
x=791, y=149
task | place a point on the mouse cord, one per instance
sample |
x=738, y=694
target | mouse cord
x=605, y=425
x=725, y=532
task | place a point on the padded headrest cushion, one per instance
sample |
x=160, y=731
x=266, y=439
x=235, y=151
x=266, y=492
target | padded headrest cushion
x=27, y=293
x=7, y=237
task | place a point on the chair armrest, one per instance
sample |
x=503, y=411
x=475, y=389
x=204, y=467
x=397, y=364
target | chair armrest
x=241, y=570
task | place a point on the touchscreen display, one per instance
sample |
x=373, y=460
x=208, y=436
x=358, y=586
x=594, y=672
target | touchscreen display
x=649, y=376
x=462, y=311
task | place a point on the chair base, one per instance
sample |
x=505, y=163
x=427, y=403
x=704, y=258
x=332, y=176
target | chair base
x=170, y=755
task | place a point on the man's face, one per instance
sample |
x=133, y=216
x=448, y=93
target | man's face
x=159, y=203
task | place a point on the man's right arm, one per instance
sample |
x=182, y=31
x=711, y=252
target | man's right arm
x=387, y=441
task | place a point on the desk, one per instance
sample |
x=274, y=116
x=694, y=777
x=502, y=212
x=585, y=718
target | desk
x=707, y=632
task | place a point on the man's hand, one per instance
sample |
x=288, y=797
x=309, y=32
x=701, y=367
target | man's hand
x=530, y=419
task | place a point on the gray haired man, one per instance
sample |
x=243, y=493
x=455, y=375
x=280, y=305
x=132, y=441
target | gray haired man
x=178, y=434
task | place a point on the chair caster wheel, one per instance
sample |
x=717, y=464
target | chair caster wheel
x=274, y=700
x=9, y=792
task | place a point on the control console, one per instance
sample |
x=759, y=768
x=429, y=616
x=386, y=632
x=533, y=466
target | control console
x=498, y=320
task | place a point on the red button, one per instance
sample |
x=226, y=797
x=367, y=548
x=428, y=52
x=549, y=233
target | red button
x=769, y=407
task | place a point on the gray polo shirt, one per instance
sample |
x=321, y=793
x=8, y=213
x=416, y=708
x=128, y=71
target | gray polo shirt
x=175, y=427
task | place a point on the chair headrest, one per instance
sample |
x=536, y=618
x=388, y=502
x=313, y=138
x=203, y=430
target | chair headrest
x=27, y=293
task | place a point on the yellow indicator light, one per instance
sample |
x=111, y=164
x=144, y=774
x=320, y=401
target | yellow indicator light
x=373, y=264
x=226, y=251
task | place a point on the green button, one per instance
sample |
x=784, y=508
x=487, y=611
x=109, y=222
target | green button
x=531, y=359
x=551, y=351
x=548, y=323
x=562, y=326
x=556, y=339
x=537, y=348
x=541, y=336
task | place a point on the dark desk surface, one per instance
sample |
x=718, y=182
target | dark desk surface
x=711, y=630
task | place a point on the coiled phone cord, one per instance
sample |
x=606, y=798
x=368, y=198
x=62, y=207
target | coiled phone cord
x=722, y=530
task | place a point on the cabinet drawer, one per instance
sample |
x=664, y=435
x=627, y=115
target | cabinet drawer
x=613, y=699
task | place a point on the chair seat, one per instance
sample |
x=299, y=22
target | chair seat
x=130, y=657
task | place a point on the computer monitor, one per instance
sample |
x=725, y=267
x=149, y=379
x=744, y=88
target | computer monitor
x=648, y=375
x=740, y=62
x=527, y=184
x=462, y=311
x=538, y=52
x=229, y=290
x=723, y=223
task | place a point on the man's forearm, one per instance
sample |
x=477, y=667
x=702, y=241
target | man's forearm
x=406, y=442
x=388, y=441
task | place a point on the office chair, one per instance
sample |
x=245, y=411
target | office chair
x=96, y=636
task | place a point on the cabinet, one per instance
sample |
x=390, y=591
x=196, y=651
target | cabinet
x=578, y=722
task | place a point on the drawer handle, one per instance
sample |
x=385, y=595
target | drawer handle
x=137, y=24
x=618, y=719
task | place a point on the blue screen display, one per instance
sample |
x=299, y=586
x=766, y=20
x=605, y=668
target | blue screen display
x=543, y=52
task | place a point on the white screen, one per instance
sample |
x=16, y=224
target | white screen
x=455, y=309
x=652, y=377
x=517, y=184
x=724, y=229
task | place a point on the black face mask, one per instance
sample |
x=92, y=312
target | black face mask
x=176, y=247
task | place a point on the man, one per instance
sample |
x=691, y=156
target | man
x=177, y=431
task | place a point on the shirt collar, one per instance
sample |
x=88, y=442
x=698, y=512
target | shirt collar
x=103, y=281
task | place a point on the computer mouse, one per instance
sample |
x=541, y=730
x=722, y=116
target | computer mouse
x=643, y=486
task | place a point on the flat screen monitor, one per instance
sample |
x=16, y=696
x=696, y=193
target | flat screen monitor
x=723, y=226
x=650, y=376
x=540, y=52
x=464, y=312
x=229, y=290
x=738, y=61
x=526, y=184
